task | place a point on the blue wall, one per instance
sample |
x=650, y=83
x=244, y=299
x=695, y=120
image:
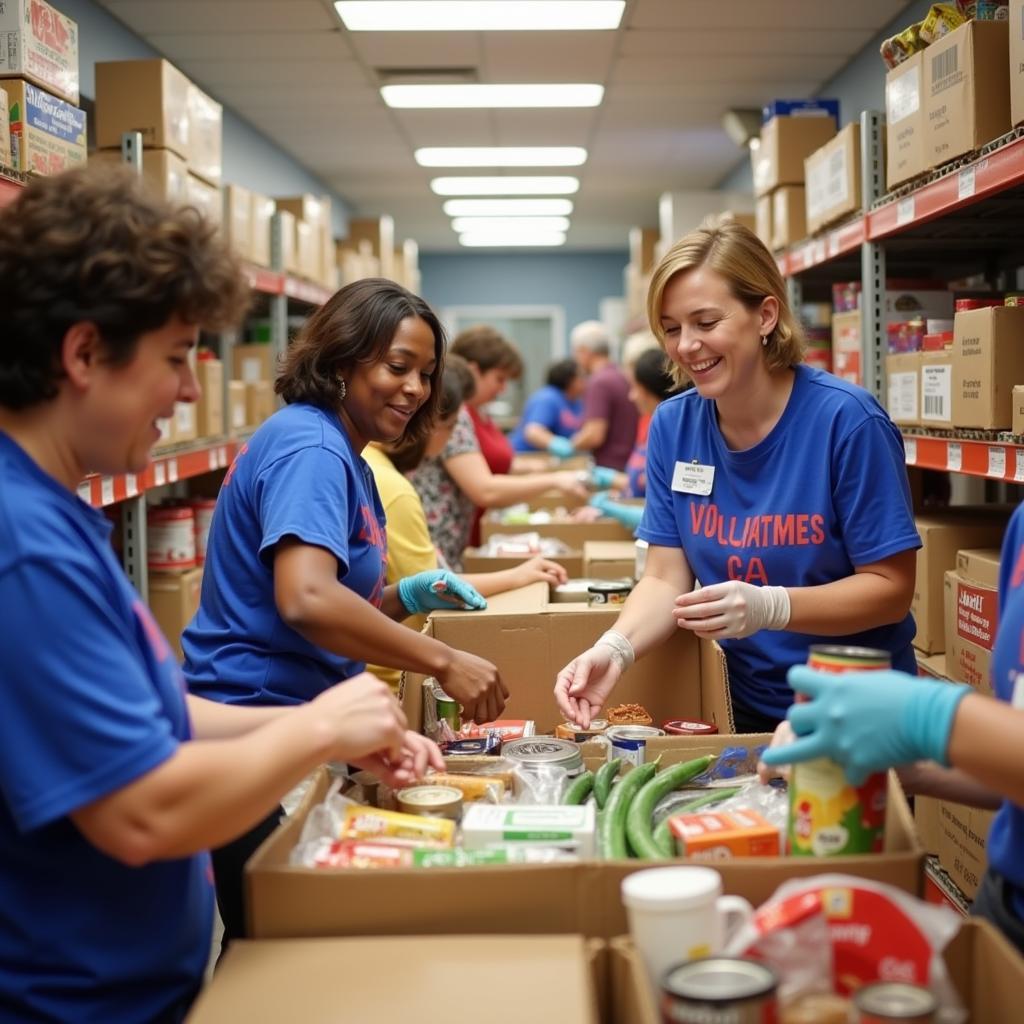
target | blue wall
x=575, y=281
x=250, y=158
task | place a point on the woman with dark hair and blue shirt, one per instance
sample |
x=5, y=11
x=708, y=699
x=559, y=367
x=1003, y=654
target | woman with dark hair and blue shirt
x=552, y=413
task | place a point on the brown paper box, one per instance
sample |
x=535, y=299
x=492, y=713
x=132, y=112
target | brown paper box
x=474, y=561
x=903, y=387
x=927, y=821
x=572, y=534
x=253, y=362
x=210, y=407
x=832, y=178
x=988, y=360
x=164, y=173
x=205, y=135
x=1016, y=22
x=205, y=198
x=262, y=213
x=173, y=600
x=963, y=834
x=1017, y=422
x=906, y=156
x=259, y=401
x=785, y=143
x=147, y=96
x=609, y=559
x=789, y=216
x=236, y=410
x=237, y=220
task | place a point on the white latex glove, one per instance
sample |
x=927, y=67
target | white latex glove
x=782, y=737
x=732, y=609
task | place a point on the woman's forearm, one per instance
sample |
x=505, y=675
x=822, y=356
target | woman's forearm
x=862, y=601
x=646, y=619
x=986, y=742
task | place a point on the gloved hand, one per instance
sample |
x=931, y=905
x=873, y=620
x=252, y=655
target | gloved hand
x=602, y=477
x=561, y=447
x=438, y=589
x=628, y=515
x=732, y=609
x=869, y=721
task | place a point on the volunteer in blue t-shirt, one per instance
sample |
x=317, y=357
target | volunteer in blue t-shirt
x=871, y=721
x=294, y=595
x=552, y=414
x=781, y=489
x=114, y=781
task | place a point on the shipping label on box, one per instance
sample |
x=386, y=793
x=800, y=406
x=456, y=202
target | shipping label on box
x=145, y=96
x=903, y=373
x=833, y=179
x=905, y=122
x=39, y=43
x=962, y=841
x=47, y=134
x=936, y=389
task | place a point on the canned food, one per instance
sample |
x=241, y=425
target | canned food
x=895, y=1000
x=684, y=727
x=817, y=1008
x=630, y=742
x=534, y=753
x=431, y=801
x=170, y=537
x=202, y=509
x=576, y=733
x=827, y=815
x=447, y=709
x=719, y=990
x=602, y=592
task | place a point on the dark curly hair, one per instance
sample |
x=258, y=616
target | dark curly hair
x=489, y=349
x=91, y=246
x=563, y=373
x=357, y=325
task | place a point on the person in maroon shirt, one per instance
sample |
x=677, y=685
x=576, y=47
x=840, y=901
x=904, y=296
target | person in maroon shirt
x=610, y=419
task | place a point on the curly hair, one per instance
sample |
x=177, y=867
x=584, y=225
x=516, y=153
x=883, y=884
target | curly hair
x=489, y=349
x=91, y=246
x=357, y=325
x=563, y=373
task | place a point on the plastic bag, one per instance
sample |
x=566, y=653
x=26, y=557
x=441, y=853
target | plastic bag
x=322, y=827
x=540, y=784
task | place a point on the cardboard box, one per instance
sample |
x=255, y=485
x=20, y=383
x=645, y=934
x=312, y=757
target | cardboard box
x=259, y=401
x=253, y=362
x=1017, y=410
x=236, y=223
x=941, y=890
x=262, y=214
x=164, y=173
x=609, y=559
x=554, y=500
x=205, y=198
x=205, y=135
x=963, y=835
x=785, y=143
x=307, y=249
x=173, y=600
x=47, y=134
x=942, y=536
x=289, y=248
x=906, y=155
x=936, y=405
x=763, y=226
x=972, y=617
x=306, y=208
x=571, y=533
x=980, y=565
x=236, y=410
x=5, y=130
x=967, y=89
x=789, y=216
x=320, y=980
x=903, y=384
x=642, y=245
x=1016, y=22
x=832, y=177
x=927, y=822
x=210, y=407
x=147, y=96
x=988, y=360
x=473, y=560
x=186, y=423
x=40, y=44
x=379, y=235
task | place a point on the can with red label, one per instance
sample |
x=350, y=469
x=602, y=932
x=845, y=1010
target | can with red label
x=685, y=727
x=203, y=511
x=887, y=1001
x=170, y=537
x=719, y=990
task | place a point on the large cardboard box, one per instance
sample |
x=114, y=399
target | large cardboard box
x=40, y=44
x=186, y=422
x=903, y=386
x=789, y=216
x=763, y=226
x=963, y=836
x=785, y=143
x=210, y=407
x=936, y=405
x=253, y=362
x=164, y=173
x=47, y=134
x=205, y=198
x=237, y=220
x=967, y=89
x=832, y=176
x=1017, y=412
x=927, y=821
x=236, y=410
x=906, y=122
x=571, y=533
x=289, y=248
x=5, y=130
x=147, y=96
x=988, y=360
x=382, y=979
x=306, y=208
x=474, y=560
x=173, y=600
x=1016, y=22
x=307, y=249
x=609, y=559
x=259, y=401
x=262, y=213
x=205, y=135
x=974, y=594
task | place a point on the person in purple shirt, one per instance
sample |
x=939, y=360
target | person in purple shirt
x=609, y=417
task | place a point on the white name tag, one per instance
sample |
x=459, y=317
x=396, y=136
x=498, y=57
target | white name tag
x=692, y=478
x=1017, y=697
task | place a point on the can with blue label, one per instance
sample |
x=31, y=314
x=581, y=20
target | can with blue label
x=630, y=742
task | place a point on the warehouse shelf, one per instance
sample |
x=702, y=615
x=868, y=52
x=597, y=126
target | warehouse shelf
x=995, y=456
x=274, y=282
x=815, y=252
x=11, y=184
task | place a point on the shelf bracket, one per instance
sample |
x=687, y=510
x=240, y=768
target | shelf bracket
x=133, y=554
x=872, y=258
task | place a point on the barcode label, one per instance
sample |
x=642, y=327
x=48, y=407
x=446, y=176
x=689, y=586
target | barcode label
x=905, y=211
x=965, y=183
x=945, y=63
x=996, y=462
x=910, y=450
x=935, y=407
x=954, y=456
x=936, y=393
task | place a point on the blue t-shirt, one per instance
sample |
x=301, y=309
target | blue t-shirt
x=824, y=492
x=297, y=476
x=550, y=408
x=1006, y=837
x=91, y=699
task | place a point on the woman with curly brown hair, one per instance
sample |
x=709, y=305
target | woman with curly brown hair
x=113, y=781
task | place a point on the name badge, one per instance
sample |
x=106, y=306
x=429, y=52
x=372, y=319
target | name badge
x=693, y=478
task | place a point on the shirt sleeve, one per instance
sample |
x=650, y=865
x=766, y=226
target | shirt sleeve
x=658, y=525
x=1011, y=554
x=542, y=408
x=463, y=439
x=309, y=494
x=597, y=400
x=81, y=715
x=410, y=549
x=871, y=493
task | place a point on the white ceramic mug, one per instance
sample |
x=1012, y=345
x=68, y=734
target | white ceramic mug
x=679, y=913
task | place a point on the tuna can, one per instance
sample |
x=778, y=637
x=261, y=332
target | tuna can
x=684, y=727
x=719, y=990
x=828, y=816
x=535, y=753
x=170, y=537
x=608, y=592
x=576, y=733
x=895, y=1001
x=202, y=509
x=630, y=742
x=431, y=801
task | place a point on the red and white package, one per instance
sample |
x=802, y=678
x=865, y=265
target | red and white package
x=505, y=728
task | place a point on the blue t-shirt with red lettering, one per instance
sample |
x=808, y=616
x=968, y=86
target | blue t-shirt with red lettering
x=550, y=408
x=824, y=492
x=298, y=476
x=91, y=699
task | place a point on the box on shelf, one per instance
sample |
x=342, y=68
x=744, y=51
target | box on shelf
x=289, y=249
x=971, y=598
x=167, y=438
x=253, y=362
x=236, y=409
x=1016, y=62
x=306, y=208
x=832, y=179
x=236, y=222
x=967, y=89
x=817, y=107
x=936, y=405
x=173, y=600
x=609, y=559
x=164, y=173
x=186, y=423
x=785, y=143
x=5, y=130
x=379, y=233
x=210, y=407
x=204, y=197
x=962, y=837
x=988, y=360
x=262, y=213
x=205, y=135
x=571, y=533
x=763, y=226
x=903, y=382
x=789, y=216
x=307, y=249
x=47, y=134
x=40, y=44
x=147, y=96
x=259, y=401
x=1017, y=412
x=906, y=124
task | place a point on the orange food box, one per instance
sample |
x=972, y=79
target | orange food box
x=720, y=835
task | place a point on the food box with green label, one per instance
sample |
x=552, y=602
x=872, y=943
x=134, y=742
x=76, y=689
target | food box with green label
x=47, y=134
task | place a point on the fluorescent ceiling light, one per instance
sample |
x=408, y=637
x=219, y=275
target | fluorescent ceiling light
x=489, y=238
x=508, y=207
x=501, y=156
x=475, y=16
x=505, y=186
x=462, y=95
x=509, y=225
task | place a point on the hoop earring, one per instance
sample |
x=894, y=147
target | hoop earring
x=342, y=389
x=764, y=341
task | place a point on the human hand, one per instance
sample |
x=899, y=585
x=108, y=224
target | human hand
x=561, y=447
x=603, y=478
x=782, y=737
x=476, y=684
x=628, y=515
x=869, y=721
x=732, y=609
x=438, y=589
x=539, y=570
x=569, y=482
x=585, y=514
x=583, y=686
x=363, y=720
x=418, y=754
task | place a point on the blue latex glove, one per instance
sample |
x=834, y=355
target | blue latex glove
x=869, y=721
x=561, y=447
x=438, y=589
x=602, y=477
x=628, y=515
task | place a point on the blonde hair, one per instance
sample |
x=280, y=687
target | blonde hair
x=739, y=256
x=636, y=345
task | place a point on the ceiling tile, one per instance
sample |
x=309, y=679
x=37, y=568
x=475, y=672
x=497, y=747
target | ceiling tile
x=222, y=16
x=795, y=42
x=548, y=56
x=417, y=49
x=744, y=15
x=264, y=46
x=447, y=127
x=765, y=69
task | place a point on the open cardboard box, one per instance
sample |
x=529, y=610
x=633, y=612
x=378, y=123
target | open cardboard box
x=572, y=533
x=985, y=969
x=475, y=560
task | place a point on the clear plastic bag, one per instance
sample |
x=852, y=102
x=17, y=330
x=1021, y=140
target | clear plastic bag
x=540, y=784
x=322, y=827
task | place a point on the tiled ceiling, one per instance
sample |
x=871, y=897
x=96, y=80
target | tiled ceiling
x=670, y=72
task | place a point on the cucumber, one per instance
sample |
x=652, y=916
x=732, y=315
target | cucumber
x=611, y=838
x=641, y=809
x=579, y=789
x=664, y=840
x=603, y=780
x=663, y=837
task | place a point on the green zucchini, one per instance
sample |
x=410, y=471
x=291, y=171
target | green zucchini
x=641, y=809
x=663, y=838
x=603, y=780
x=579, y=789
x=611, y=838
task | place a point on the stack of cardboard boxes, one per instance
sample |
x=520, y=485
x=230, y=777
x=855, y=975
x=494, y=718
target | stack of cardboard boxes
x=308, y=238
x=643, y=248
x=250, y=396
